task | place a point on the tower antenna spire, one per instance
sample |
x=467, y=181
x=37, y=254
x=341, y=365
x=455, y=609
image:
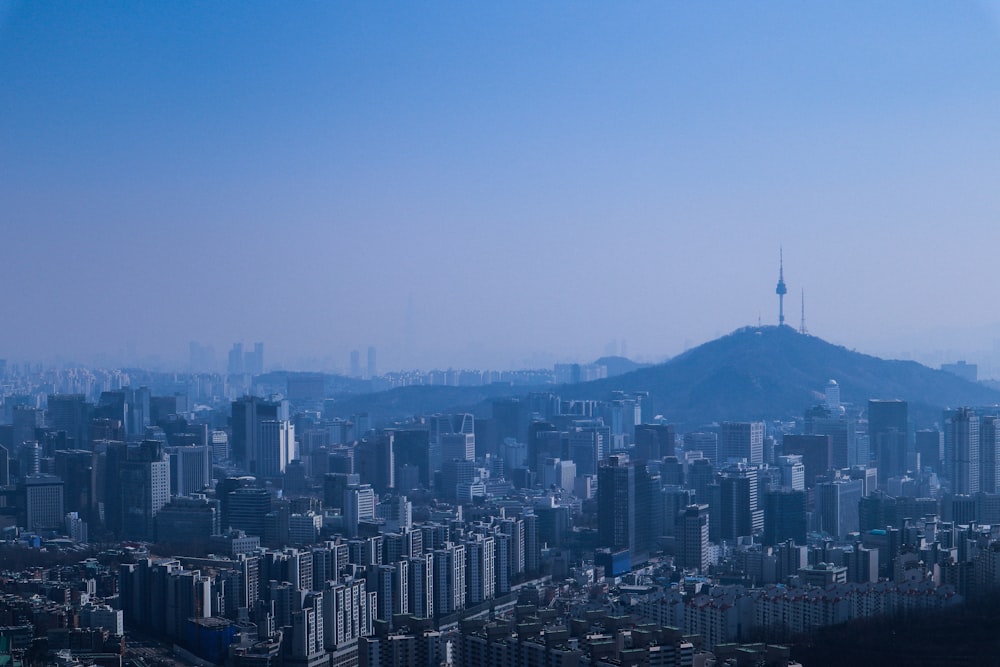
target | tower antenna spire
x=781, y=290
x=802, y=325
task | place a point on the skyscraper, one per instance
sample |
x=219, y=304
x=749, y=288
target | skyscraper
x=887, y=436
x=816, y=452
x=837, y=507
x=963, y=428
x=616, y=504
x=692, y=537
x=654, y=441
x=248, y=413
x=371, y=363
x=742, y=440
x=738, y=511
x=145, y=488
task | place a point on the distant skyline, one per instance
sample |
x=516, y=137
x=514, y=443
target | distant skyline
x=495, y=186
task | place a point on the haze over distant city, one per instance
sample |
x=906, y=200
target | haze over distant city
x=495, y=185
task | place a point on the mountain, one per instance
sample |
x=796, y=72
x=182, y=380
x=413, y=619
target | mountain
x=777, y=372
x=753, y=373
x=619, y=365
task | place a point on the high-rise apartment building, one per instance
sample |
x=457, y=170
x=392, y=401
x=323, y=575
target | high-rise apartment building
x=962, y=434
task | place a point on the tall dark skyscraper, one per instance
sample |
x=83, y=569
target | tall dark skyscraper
x=654, y=441
x=816, y=452
x=616, y=504
x=144, y=478
x=248, y=413
x=888, y=436
x=738, y=511
x=70, y=413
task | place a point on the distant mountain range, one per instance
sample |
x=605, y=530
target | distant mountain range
x=753, y=373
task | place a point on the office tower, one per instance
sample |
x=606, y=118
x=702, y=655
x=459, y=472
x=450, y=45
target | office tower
x=701, y=474
x=359, y=505
x=273, y=448
x=706, y=443
x=793, y=472
x=930, y=445
x=69, y=413
x=248, y=412
x=77, y=470
x=692, y=538
x=29, y=459
x=742, y=440
x=138, y=409
x=837, y=507
x=654, y=441
x=236, y=362
x=962, y=433
x=673, y=500
x=480, y=573
x=246, y=509
x=355, y=364
x=375, y=460
x=413, y=447
x=4, y=467
x=43, y=502
x=510, y=419
x=544, y=441
x=616, y=505
x=842, y=429
x=372, y=369
x=784, y=516
x=144, y=477
x=557, y=473
x=253, y=360
x=190, y=469
x=588, y=446
x=832, y=397
x=26, y=422
x=887, y=435
x=189, y=521
x=335, y=485
x=738, y=510
x=816, y=452
x=989, y=465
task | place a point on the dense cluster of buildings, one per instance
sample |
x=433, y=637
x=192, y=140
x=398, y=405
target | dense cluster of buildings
x=272, y=530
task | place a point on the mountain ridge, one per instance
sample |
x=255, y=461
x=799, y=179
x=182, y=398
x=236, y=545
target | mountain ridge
x=751, y=373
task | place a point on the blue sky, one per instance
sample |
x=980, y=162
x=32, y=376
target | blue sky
x=536, y=179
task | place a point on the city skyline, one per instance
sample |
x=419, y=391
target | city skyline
x=495, y=186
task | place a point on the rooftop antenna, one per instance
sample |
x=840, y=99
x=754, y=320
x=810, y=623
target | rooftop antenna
x=781, y=290
x=802, y=325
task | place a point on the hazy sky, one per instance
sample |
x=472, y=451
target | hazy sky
x=495, y=184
